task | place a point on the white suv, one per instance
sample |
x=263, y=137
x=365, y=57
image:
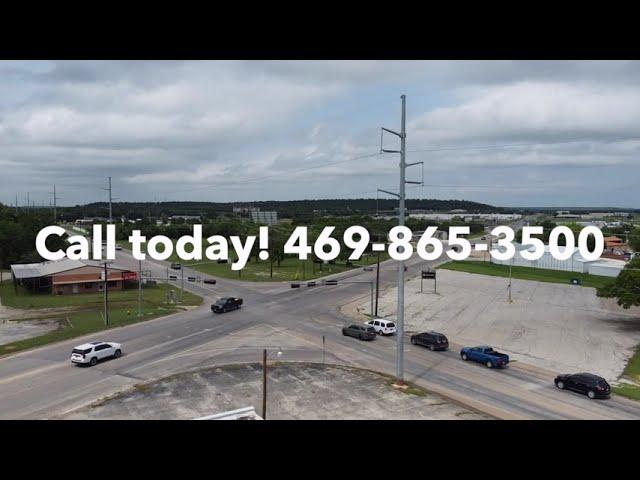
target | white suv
x=91, y=353
x=382, y=326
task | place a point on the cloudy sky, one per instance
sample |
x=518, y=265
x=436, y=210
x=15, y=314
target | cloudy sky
x=507, y=133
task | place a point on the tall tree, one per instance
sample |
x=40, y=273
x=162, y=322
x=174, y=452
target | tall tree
x=626, y=287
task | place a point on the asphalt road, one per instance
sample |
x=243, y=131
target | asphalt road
x=42, y=383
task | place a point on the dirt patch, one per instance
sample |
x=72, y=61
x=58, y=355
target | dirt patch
x=295, y=391
x=12, y=331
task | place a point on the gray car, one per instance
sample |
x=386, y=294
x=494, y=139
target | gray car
x=361, y=332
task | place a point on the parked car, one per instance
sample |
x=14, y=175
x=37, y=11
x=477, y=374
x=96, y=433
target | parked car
x=588, y=384
x=118, y=247
x=361, y=332
x=487, y=355
x=176, y=266
x=226, y=304
x=92, y=353
x=432, y=340
x=382, y=326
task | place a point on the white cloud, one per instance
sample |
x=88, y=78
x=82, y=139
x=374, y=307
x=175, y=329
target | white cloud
x=165, y=126
x=534, y=112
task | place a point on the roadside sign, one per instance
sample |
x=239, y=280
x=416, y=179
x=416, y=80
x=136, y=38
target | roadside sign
x=129, y=275
x=428, y=274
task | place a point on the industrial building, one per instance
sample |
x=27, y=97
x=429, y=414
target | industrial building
x=576, y=263
x=67, y=277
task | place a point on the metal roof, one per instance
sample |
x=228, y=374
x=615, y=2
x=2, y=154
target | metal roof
x=44, y=269
x=33, y=270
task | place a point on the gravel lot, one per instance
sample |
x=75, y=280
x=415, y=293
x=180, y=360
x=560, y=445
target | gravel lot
x=554, y=326
x=12, y=330
x=295, y=391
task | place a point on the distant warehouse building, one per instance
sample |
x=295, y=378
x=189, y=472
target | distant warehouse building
x=576, y=263
x=66, y=277
x=264, y=217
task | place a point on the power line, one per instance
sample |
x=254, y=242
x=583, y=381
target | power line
x=264, y=177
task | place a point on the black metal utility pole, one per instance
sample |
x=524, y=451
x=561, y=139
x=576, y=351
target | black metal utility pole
x=264, y=384
x=106, y=296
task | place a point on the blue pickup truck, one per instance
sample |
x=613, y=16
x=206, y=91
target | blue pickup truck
x=487, y=355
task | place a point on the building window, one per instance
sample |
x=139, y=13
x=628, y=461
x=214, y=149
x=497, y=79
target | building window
x=87, y=286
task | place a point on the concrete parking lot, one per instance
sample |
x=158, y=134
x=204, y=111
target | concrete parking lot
x=295, y=391
x=553, y=326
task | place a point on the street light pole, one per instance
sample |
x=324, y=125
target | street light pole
x=511, y=263
x=377, y=283
x=182, y=282
x=139, y=288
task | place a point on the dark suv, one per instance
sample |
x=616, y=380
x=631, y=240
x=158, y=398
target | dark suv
x=361, y=332
x=431, y=340
x=588, y=384
x=226, y=304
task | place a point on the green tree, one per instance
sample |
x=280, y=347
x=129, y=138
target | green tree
x=634, y=239
x=626, y=286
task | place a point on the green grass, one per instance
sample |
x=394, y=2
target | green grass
x=290, y=268
x=526, y=273
x=631, y=372
x=28, y=300
x=473, y=236
x=85, y=314
x=629, y=391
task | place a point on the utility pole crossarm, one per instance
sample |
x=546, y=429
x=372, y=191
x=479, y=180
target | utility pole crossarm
x=390, y=193
x=395, y=133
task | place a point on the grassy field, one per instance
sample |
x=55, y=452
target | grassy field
x=260, y=271
x=526, y=273
x=631, y=372
x=83, y=313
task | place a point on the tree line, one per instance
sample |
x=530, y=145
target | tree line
x=302, y=210
x=18, y=231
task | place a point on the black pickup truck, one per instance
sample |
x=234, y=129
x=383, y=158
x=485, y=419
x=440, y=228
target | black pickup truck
x=226, y=304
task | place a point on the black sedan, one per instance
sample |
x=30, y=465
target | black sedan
x=588, y=384
x=226, y=304
x=361, y=332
